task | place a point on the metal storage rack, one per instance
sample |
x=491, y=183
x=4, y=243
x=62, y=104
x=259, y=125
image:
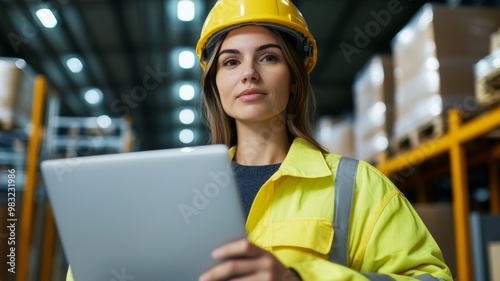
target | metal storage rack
x=454, y=143
x=48, y=137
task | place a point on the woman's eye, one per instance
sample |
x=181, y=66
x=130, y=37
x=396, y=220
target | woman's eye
x=230, y=62
x=270, y=57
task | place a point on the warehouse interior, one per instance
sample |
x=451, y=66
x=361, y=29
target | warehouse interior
x=121, y=42
x=122, y=76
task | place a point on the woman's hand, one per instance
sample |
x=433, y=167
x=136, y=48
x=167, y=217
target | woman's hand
x=244, y=261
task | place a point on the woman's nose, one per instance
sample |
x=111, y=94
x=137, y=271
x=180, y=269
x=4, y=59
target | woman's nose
x=250, y=74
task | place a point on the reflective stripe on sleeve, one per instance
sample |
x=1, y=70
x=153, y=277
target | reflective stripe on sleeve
x=345, y=182
x=378, y=277
x=426, y=277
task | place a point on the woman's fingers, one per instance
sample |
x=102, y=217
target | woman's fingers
x=244, y=261
x=230, y=268
x=239, y=248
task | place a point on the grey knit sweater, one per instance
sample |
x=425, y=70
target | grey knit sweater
x=250, y=179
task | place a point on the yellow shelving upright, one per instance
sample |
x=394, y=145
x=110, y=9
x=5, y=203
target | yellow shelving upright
x=454, y=143
x=40, y=103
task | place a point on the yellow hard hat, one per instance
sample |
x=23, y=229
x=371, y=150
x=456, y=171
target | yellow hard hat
x=280, y=14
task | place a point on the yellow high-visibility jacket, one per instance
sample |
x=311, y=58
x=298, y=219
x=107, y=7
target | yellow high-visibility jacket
x=292, y=217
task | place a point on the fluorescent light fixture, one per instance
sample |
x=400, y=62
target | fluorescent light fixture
x=185, y=10
x=74, y=64
x=20, y=63
x=381, y=143
x=46, y=17
x=93, y=96
x=186, y=136
x=186, y=92
x=186, y=116
x=104, y=121
x=186, y=59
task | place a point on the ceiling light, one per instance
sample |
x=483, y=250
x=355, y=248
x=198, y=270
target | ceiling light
x=93, y=96
x=381, y=143
x=20, y=63
x=185, y=10
x=186, y=136
x=186, y=116
x=186, y=92
x=74, y=65
x=104, y=121
x=46, y=17
x=186, y=59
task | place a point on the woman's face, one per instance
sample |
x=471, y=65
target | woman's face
x=252, y=77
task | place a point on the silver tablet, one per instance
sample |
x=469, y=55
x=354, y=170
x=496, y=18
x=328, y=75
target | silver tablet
x=153, y=215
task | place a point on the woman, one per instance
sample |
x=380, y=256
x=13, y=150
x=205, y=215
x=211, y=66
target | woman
x=256, y=56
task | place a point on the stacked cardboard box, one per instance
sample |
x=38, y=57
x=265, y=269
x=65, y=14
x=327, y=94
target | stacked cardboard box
x=438, y=218
x=494, y=260
x=336, y=135
x=16, y=92
x=487, y=74
x=434, y=57
x=495, y=41
x=373, y=102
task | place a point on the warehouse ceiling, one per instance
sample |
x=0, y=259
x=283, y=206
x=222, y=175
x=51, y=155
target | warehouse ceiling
x=129, y=51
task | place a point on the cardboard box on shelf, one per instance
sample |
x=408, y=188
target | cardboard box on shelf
x=16, y=92
x=494, y=260
x=336, y=135
x=373, y=102
x=434, y=55
x=487, y=74
x=495, y=41
x=438, y=218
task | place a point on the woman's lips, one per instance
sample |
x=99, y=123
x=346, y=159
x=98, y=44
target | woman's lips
x=250, y=95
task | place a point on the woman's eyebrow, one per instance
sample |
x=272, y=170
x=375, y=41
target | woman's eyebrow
x=267, y=46
x=260, y=48
x=229, y=51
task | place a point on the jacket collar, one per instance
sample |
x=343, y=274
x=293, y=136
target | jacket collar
x=303, y=160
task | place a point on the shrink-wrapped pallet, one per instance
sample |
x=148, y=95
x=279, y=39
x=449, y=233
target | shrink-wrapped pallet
x=487, y=73
x=495, y=41
x=434, y=55
x=373, y=103
x=336, y=135
x=16, y=93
